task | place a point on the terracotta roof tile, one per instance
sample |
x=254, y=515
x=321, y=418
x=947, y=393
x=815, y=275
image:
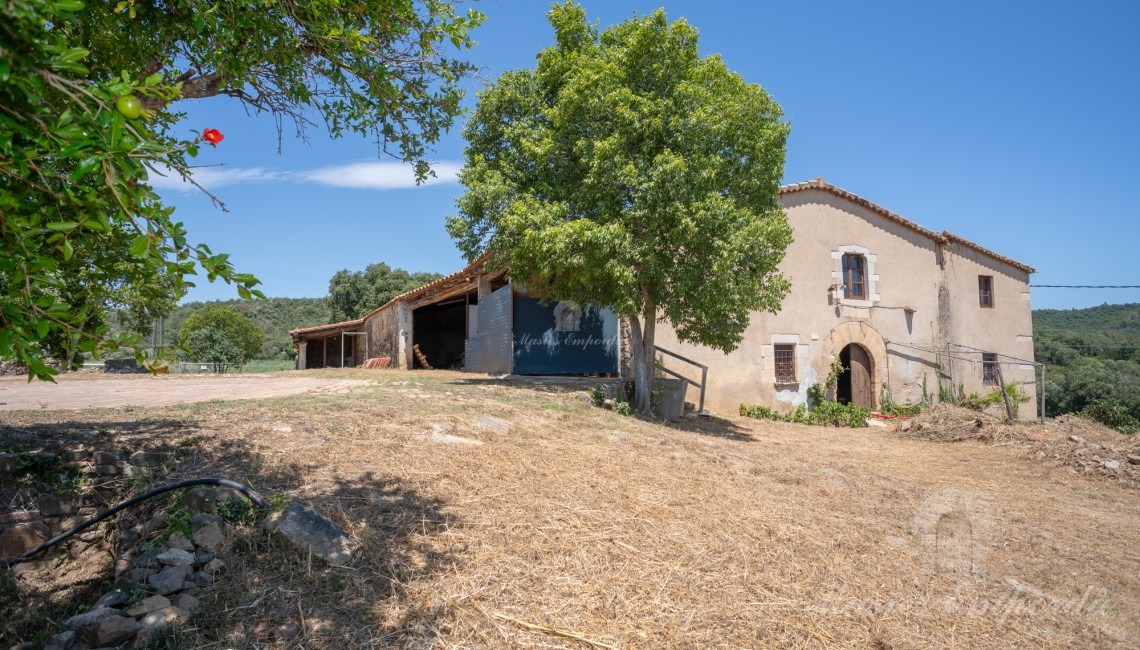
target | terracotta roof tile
x=331, y=326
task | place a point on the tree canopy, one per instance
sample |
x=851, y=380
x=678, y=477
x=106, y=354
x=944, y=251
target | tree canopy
x=628, y=171
x=240, y=331
x=88, y=99
x=353, y=294
x=1092, y=362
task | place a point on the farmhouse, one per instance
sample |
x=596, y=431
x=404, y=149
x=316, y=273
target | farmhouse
x=908, y=311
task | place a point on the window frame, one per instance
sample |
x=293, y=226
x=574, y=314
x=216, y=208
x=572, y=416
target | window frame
x=986, y=292
x=783, y=365
x=989, y=369
x=847, y=269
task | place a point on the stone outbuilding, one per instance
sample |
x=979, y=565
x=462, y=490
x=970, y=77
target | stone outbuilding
x=474, y=320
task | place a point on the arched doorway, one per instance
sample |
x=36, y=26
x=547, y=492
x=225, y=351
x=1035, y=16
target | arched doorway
x=854, y=385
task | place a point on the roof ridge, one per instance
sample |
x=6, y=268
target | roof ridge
x=942, y=238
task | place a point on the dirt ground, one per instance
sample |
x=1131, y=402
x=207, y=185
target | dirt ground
x=499, y=515
x=83, y=390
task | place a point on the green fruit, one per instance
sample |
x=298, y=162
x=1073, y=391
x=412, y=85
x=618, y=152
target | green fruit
x=129, y=106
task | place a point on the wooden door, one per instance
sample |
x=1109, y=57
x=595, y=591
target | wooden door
x=861, y=377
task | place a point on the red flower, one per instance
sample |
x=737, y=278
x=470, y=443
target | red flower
x=213, y=136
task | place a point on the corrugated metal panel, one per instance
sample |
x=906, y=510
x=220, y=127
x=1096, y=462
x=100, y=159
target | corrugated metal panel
x=489, y=350
x=542, y=347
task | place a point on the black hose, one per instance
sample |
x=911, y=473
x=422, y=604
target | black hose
x=253, y=496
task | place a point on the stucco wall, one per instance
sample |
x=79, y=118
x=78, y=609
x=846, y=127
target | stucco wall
x=903, y=308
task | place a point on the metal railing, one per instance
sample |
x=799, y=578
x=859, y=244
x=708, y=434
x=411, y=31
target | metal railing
x=704, y=374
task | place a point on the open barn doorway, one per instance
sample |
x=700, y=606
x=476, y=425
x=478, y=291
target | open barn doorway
x=439, y=330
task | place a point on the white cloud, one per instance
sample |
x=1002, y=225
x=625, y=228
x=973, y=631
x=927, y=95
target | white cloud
x=380, y=175
x=366, y=175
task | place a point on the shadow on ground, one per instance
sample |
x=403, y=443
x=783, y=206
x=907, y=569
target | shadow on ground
x=270, y=592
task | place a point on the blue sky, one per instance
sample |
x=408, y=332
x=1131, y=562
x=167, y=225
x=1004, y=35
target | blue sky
x=1013, y=124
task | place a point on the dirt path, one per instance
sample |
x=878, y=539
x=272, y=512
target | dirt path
x=71, y=393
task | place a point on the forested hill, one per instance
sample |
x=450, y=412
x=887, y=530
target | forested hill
x=275, y=317
x=1092, y=361
x=1107, y=331
x=1114, y=318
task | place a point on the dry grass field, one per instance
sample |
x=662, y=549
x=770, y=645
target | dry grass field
x=506, y=515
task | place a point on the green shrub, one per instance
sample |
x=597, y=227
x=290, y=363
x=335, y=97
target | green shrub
x=621, y=408
x=826, y=414
x=976, y=403
x=598, y=395
x=1112, y=414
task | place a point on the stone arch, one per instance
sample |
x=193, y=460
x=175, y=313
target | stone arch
x=871, y=341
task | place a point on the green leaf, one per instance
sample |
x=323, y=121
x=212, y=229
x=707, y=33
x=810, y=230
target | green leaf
x=140, y=246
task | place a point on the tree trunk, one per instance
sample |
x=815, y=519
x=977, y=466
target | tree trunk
x=642, y=335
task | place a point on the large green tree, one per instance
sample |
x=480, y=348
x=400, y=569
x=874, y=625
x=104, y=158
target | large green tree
x=77, y=147
x=245, y=336
x=627, y=170
x=353, y=294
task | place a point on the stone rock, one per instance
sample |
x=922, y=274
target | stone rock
x=1111, y=464
x=107, y=470
x=115, y=598
x=210, y=537
x=214, y=567
x=187, y=603
x=163, y=617
x=202, y=519
x=180, y=542
x=90, y=619
x=20, y=517
x=1077, y=439
x=448, y=439
x=146, y=559
x=116, y=630
x=203, y=579
x=137, y=575
x=105, y=458
x=286, y=632
x=202, y=557
x=153, y=524
x=1135, y=460
x=61, y=641
x=26, y=645
x=24, y=537
x=67, y=523
x=281, y=427
x=148, y=605
x=54, y=505
x=175, y=556
x=492, y=423
x=148, y=458
x=7, y=463
x=190, y=589
x=306, y=529
x=75, y=453
x=169, y=580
